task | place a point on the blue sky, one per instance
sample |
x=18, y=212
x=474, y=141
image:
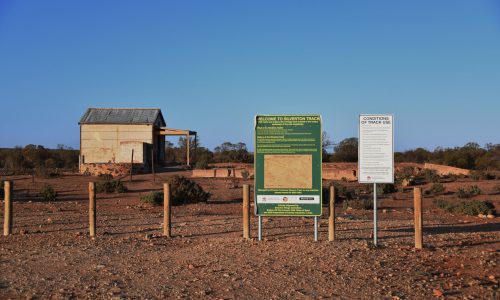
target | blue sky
x=212, y=65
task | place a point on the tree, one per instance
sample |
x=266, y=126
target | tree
x=346, y=150
x=326, y=143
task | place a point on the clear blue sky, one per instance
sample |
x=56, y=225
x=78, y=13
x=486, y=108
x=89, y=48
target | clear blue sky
x=212, y=65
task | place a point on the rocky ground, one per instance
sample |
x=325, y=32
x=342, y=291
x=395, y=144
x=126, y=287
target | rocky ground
x=50, y=254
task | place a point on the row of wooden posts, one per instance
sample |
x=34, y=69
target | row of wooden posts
x=167, y=224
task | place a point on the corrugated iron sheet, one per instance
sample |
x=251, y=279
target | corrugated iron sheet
x=122, y=116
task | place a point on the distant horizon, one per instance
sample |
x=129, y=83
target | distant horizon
x=251, y=149
x=212, y=66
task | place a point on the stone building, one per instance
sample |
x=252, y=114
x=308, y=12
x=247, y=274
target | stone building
x=111, y=138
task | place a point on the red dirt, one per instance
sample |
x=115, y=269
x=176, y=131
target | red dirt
x=51, y=255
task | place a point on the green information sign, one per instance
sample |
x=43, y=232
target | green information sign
x=288, y=165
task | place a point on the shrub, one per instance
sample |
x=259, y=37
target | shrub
x=183, y=191
x=153, y=197
x=430, y=175
x=48, y=193
x=473, y=190
x=436, y=189
x=186, y=191
x=44, y=172
x=358, y=204
x=245, y=174
x=471, y=208
x=462, y=193
x=106, y=176
x=110, y=186
x=201, y=164
x=482, y=175
x=405, y=173
x=388, y=188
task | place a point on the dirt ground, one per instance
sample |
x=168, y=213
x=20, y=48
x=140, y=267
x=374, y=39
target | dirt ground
x=50, y=255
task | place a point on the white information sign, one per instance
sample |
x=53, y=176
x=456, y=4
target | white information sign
x=376, y=149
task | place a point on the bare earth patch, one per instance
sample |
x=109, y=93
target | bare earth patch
x=51, y=255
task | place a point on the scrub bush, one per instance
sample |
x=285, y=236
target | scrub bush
x=48, y=193
x=183, y=191
x=436, y=189
x=111, y=186
x=471, y=208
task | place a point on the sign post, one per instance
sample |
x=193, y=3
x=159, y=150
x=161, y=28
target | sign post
x=288, y=167
x=376, y=155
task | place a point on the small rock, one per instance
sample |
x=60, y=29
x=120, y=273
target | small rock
x=437, y=293
x=490, y=216
x=190, y=266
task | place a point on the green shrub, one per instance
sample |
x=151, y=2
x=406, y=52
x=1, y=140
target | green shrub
x=48, y=193
x=186, y=191
x=110, y=186
x=430, y=175
x=436, y=189
x=201, y=163
x=153, y=197
x=245, y=174
x=471, y=208
x=44, y=172
x=358, y=204
x=444, y=204
x=182, y=190
x=473, y=190
x=482, y=175
x=462, y=193
x=388, y=188
x=106, y=176
x=341, y=191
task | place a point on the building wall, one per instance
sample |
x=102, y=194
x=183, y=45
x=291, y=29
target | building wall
x=109, y=143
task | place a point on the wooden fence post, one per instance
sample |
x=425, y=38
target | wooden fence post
x=417, y=210
x=167, y=223
x=7, y=225
x=153, y=164
x=131, y=165
x=92, y=209
x=246, y=211
x=331, y=216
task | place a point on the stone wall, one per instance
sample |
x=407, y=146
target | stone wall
x=445, y=170
x=115, y=169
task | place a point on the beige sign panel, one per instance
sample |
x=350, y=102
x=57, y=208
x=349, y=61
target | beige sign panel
x=288, y=171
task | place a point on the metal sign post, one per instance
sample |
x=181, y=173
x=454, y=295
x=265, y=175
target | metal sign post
x=287, y=164
x=260, y=228
x=375, y=214
x=315, y=229
x=376, y=155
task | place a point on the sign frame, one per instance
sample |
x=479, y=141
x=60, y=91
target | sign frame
x=320, y=175
x=359, y=147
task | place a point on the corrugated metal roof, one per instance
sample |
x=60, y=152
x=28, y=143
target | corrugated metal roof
x=123, y=116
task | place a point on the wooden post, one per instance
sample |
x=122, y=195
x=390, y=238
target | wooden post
x=7, y=225
x=331, y=216
x=188, y=142
x=153, y=164
x=167, y=223
x=92, y=209
x=195, y=158
x=246, y=211
x=131, y=165
x=417, y=210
